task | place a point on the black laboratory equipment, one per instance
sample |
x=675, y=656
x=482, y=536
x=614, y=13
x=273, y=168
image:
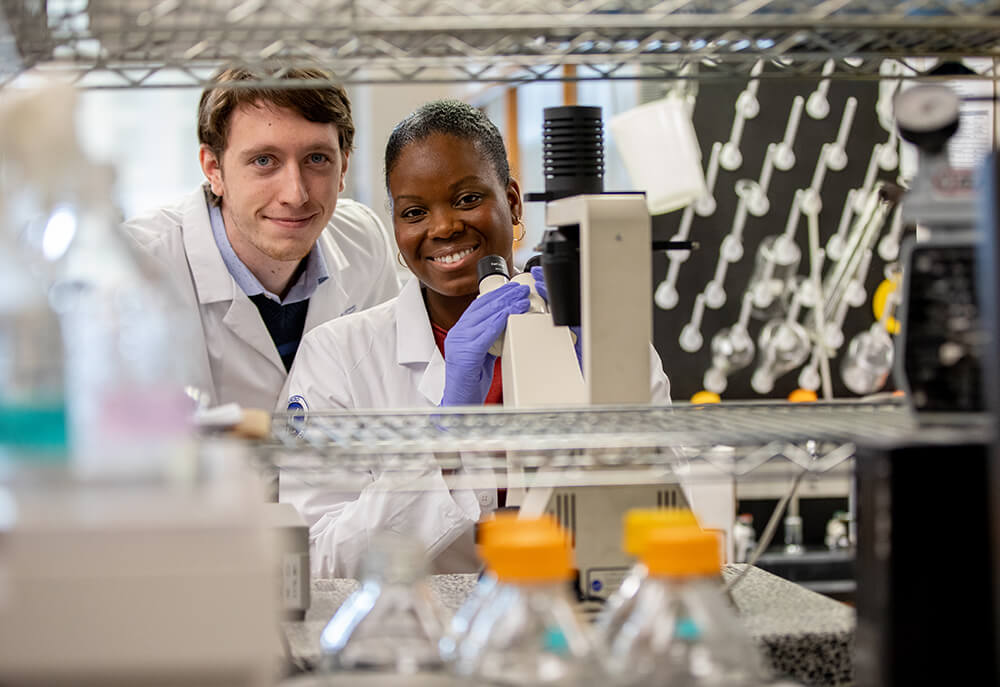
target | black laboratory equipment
x=573, y=161
x=927, y=505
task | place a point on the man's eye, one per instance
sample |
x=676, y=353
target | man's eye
x=318, y=158
x=262, y=160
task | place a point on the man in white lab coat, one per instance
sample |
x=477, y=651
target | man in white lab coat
x=265, y=250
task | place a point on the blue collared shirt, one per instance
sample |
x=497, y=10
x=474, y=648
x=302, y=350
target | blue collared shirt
x=314, y=274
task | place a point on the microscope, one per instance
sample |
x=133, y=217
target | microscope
x=596, y=257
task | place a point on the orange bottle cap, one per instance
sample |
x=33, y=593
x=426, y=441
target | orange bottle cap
x=639, y=522
x=802, y=396
x=528, y=550
x=682, y=552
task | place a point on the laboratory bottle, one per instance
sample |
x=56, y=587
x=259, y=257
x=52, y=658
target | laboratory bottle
x=744, y=538
x=392, y=624
x=638, y=524
x=528, y=633
x=32, y=400
x=128, y=344
x=488, y=585
x=682, y=631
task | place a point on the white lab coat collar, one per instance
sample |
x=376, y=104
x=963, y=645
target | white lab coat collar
x=322, y=304
x=212, y=280
x=415, y=344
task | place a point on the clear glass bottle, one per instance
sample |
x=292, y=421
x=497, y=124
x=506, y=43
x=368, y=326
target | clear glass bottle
x=639, y=523
x=744, y=538
x=128, y=344
x=682, y=631
x=32, y=389
x=392, y=624
x=528, y=633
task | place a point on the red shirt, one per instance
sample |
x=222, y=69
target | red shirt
x=495, y=394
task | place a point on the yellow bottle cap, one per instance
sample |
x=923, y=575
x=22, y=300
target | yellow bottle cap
x=706, y=397
x=528, y=550
x=879, y=300
x=682, y=552
x=639, y=522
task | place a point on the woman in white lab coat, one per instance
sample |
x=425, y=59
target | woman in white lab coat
x=453, y=202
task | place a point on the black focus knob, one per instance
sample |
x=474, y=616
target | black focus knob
x=927, y=116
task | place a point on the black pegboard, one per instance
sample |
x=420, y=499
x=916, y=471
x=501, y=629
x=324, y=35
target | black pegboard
x=713, y=117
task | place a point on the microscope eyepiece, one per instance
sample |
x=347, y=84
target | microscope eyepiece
x=490, y=265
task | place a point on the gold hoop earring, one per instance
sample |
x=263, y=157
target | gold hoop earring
x=399, y=259
x=524, y=230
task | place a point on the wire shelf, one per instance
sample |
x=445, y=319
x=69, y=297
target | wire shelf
x=163, y=43
x=731, y=439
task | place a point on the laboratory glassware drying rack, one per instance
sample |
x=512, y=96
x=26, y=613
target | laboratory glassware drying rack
x=178, y=43
x=724, y=441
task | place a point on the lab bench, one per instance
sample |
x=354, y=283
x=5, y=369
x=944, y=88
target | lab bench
x=803, y=635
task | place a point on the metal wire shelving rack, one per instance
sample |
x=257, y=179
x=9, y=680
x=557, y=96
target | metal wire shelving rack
x=177, y=43
x=730, y=441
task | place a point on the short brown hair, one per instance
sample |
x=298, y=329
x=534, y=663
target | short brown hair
x=323, y=100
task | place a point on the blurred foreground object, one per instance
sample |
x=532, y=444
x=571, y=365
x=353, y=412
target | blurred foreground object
x=127, y=349
x=141, y=584
x=393, y=623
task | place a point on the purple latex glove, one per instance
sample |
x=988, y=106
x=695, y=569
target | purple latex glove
x=468, y=364
x=539, y=277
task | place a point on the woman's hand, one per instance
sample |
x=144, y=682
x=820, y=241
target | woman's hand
x=539, y=276
x=468, y=364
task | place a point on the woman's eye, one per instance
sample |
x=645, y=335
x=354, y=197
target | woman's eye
x=411, y=213
x=470, y=199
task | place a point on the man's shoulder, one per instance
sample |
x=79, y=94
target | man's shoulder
x=350, y=211
x=164, y=224
x=375, y=323
x=355, y=225
x=358, y=340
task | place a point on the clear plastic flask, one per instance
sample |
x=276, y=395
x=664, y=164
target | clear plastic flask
x=393, y=623
x=528, y=633
x=639, y=523
x=682, y=631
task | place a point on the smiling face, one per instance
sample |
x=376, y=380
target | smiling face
x=449, y=209
x=278, y=178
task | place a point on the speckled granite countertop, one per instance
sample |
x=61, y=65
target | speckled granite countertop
x=804, y=635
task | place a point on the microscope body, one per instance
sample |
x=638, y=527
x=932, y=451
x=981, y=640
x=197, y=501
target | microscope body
x=615, y=291
x=537, y=358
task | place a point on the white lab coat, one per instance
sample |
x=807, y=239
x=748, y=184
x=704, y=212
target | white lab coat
x=385, y=357
x=239, y=361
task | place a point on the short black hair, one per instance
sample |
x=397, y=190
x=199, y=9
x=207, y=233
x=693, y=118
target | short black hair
x=454, y=118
